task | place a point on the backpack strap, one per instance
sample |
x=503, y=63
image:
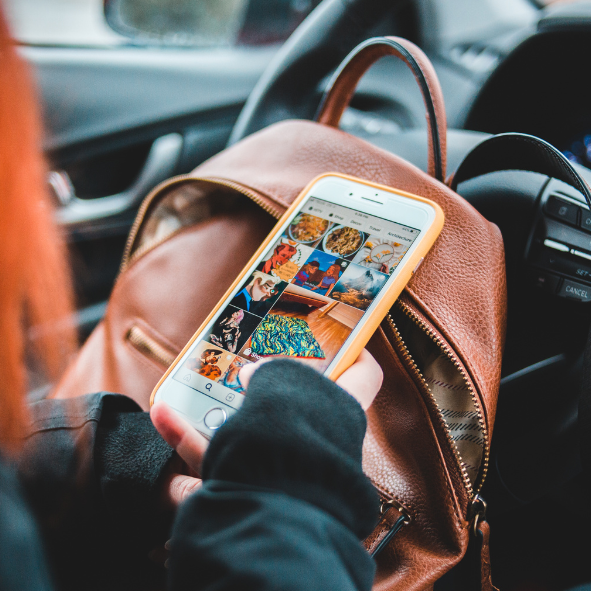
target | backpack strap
x=344, y=81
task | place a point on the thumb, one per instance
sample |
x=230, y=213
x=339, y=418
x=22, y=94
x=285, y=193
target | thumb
x=179, y=487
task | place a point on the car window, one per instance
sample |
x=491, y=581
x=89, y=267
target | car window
x=224, y=22
x=60, y=22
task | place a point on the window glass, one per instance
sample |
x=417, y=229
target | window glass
x=60, y=22
x=83, y=23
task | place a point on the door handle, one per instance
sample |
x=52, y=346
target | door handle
x=160, y=165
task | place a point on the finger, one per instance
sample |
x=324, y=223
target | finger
x=363, y=379
x=179, y=434
x=178, y=487
x=246, y=372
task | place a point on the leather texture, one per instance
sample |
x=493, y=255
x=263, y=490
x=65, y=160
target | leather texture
x=483, y=534
x=167, y=293
x=458, y=293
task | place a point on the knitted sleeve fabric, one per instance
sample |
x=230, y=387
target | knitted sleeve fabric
x=299, y=433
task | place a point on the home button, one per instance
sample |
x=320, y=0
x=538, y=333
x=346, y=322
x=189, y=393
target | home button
x=215, y=418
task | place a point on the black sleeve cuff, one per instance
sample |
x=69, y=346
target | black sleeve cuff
x=299, y=433
x=131, y=460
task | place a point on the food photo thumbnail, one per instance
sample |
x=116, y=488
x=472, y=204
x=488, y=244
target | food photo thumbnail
x=380, y=254
x=343, y=241
x=307, y=229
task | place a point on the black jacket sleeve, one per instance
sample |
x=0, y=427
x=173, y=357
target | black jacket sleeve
x=90, y=471
x=22, y=560
x=284, y=502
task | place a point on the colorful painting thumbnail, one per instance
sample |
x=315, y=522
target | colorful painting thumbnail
x=303, y=324
x=285, y=335
x=285, y=259
x=358, y=286
x=321, y=272
x=381, y=255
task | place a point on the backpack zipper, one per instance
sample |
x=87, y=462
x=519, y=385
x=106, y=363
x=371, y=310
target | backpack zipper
x=262, y=201
x=149, y=347
x=401, y=345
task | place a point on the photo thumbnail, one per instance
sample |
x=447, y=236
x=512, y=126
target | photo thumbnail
x=303, y=324
x=359, y=286
x=232, y=328
x=321, y=272
x=381, y=255
x=285, y=259
x=307, y=229
x=230, y=376
x=259, y=293
x=342, y=241
x=209, y=361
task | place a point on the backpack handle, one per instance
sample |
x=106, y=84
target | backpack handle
x=344, y=82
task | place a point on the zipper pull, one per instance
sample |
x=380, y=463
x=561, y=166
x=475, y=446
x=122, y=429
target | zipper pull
x=393, y=517
x=481, y=533
x=477, y=513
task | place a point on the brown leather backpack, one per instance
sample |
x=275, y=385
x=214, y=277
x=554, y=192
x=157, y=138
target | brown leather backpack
x=428, y=439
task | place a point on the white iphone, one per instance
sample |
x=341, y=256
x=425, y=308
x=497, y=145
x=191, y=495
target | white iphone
x=316, y=290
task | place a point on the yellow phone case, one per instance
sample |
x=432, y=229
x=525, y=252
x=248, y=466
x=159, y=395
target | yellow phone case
x=373, y=321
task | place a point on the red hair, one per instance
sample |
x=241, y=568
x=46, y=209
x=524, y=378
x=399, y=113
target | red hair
x=35, y=288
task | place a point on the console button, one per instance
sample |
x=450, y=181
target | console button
x=585, y=222
x=546, y=281
x=215, y=418
x=556, y=245
x=562, y=210
x=558, y=232
x=575, y=291
x=551, y=260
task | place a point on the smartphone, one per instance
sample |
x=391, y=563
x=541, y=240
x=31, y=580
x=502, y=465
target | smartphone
x=316, y=290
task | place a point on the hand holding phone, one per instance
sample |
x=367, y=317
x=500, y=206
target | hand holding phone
x=316, y=290
x=362, y=380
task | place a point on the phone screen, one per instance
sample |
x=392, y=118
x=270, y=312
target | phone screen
x=309, y=291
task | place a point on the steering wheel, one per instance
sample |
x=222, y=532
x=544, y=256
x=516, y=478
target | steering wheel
x=289, y=86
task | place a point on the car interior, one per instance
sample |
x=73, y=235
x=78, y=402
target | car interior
x=125, y=114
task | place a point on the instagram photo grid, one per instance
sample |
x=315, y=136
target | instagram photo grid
x=307, y=294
